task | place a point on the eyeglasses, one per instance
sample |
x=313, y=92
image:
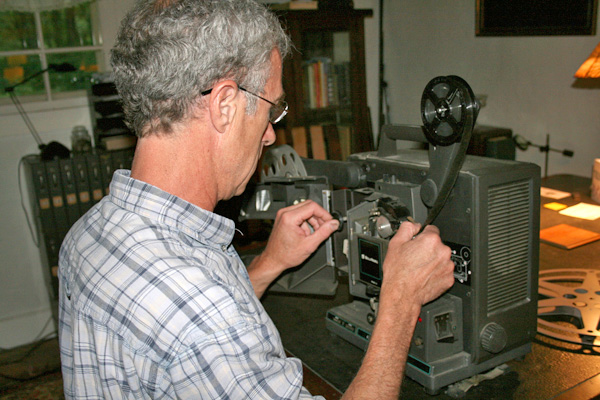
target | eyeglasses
x=276, y=112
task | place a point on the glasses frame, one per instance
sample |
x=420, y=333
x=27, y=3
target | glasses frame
x=277, y=111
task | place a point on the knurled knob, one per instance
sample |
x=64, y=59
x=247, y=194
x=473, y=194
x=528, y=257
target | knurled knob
x=493, y=338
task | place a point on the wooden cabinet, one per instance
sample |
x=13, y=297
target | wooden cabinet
x=325, y=83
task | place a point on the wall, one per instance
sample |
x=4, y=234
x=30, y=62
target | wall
x=529, y=80
x=24, y=304
x=372, y=59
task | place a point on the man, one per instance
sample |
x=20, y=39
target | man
x=154, y=301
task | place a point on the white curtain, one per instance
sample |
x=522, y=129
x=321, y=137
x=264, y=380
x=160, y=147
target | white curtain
x=38, y=5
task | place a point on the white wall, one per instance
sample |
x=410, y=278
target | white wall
x=372, y=58
x=24, y=304
x=529, y=80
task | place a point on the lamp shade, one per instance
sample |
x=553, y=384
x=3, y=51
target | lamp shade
x=591, y=67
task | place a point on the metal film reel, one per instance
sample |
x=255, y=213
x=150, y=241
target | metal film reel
x=448, y=111
x=569, y=305
x=282, y=162
x=448, y=107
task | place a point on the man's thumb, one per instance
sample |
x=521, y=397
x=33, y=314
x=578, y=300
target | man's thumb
x=324, y=232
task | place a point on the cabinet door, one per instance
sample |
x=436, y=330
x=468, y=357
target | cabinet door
x=325, y=83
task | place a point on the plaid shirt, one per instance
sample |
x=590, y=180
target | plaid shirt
x=156, y=304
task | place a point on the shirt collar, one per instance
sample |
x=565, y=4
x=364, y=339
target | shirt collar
x=156, y=204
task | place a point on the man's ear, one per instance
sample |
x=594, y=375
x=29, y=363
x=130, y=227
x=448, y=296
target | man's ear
x=223, y=104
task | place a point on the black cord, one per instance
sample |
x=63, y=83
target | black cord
x=35, y=346
x=36, y=240
x=36, y=342
x=25, y=117
x=29, y=378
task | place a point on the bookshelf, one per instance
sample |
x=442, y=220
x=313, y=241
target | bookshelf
x=325, y=83
x=60, y=192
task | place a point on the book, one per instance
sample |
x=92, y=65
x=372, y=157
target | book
x=82, y=182
x=280, y=137
x=332, y=142
x=70, y=199
x=317, y=142
x=325, y=83
x=345, y=140
x=567, y=236
x=296, y=5
x=95, y=177
x=299, y=141
x=118, y=142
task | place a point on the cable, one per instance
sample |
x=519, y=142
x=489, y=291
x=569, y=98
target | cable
x=27, y=354
x=36, y=240
x=36, y=342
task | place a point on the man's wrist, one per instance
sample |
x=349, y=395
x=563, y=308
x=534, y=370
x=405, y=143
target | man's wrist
x=262, y=271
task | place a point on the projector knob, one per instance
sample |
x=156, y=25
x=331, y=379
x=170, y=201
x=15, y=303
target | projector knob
x=493, y=338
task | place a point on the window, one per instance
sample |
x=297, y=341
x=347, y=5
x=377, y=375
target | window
x=31, y=41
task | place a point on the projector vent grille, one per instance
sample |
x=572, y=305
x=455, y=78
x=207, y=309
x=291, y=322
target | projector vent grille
x=509, y=242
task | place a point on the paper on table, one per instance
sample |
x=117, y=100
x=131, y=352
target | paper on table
x=555, y=206
x=582, y=210
x=567, y=236
x=553, y=193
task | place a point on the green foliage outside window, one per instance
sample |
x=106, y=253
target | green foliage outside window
x=64, y=32
x=75, y=27
x=17, y=30
x=15, y=68
x=84, y=61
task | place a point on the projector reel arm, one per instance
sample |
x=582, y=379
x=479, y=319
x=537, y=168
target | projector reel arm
x=448, y=112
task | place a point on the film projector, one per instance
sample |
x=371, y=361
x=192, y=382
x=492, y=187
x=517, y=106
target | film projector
x=487, y=211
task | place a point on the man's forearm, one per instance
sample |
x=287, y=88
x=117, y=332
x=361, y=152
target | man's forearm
x=382, y=369
x=262, y=274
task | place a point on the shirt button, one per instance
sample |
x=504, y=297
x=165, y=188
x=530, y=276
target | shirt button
x=224, y=248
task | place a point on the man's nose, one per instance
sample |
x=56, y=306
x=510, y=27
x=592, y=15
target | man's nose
x=269, y=136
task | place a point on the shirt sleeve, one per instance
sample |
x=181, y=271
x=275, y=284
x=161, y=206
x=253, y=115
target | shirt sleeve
x=237, y=363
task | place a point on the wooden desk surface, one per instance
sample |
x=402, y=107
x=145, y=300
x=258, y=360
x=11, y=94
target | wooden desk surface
x=587, y=256
x=552, y=370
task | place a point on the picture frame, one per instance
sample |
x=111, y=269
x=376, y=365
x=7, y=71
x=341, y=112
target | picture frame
x=536, y=17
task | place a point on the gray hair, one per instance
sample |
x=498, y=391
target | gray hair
x=168, y=51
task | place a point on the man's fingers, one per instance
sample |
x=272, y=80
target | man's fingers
x=407, y=231
x=305, y=211
x=322, y=233
x=305, y=228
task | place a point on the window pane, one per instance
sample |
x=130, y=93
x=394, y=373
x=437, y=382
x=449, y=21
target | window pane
x=15, y=69
x=84, y=61
x=17, y=30
x=69, y=27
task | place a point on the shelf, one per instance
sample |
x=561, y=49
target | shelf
x=324, y=79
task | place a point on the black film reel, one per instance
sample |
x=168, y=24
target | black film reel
x=448, y=107
x=449, y=112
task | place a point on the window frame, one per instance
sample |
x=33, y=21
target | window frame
x=42, y=51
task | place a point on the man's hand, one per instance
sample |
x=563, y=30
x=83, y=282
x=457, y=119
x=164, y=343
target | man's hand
x=297, y=232
x=417, y=268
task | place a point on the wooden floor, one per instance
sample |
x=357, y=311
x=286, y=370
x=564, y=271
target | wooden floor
x=24, y=365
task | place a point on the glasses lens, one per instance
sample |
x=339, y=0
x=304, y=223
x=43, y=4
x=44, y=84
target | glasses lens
x=278, y=112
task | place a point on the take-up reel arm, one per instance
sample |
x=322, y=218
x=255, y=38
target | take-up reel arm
x=448, y=111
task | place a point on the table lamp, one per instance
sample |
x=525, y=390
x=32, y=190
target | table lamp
x=591, y=67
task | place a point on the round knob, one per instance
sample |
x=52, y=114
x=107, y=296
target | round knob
x=493, y=338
